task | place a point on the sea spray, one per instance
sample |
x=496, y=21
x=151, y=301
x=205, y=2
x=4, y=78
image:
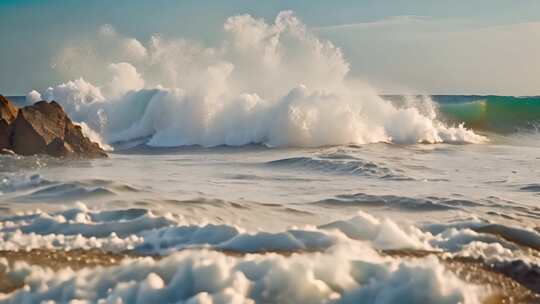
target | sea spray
x=275, y=84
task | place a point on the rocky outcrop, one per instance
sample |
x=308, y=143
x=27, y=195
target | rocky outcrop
x=8, y=113
x=43, y=128
x=36, y=127
x=4, y=134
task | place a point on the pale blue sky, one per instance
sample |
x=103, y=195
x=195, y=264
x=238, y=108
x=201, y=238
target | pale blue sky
x=477, y=46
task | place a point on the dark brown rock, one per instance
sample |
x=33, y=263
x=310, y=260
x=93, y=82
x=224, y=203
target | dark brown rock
x=81, y=144
x=5, y=131
x=37, y=126
x=8, y=113
x=59, y=148
x=44, y=128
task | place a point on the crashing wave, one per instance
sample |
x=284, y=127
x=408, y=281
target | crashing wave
x=267, y=83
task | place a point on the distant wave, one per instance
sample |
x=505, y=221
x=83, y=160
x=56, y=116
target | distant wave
x=35, y=188
x=397, y=202
x=331, y=164
x=501, y=114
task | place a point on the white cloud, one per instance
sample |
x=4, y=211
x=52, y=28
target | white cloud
x=390, y=21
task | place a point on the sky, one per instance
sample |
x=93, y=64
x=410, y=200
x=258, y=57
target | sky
x=397, y=46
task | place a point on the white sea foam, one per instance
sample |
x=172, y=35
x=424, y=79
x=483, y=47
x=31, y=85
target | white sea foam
x=340, y=262
x=345, y=275
x=149, y=233
x=269, y=83
x=94, y=136
x=33, y=96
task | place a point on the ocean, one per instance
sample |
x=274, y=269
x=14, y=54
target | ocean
x=274, y=215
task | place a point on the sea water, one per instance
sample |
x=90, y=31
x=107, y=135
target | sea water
x=294, y=186
x=333, y=208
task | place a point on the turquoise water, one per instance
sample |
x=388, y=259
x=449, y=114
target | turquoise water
x=492, y=113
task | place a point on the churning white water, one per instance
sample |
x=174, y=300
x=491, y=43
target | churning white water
x=275, y=84
x=258, y=171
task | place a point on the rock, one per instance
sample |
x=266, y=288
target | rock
x=44, y=128
x=59, y=148
x=81, y=144
x=8, y=113
x=5, y=131
x=37, y=126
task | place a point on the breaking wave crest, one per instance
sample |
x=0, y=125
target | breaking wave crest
x=267, y=83
x=502, y=114
x=147, y=232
